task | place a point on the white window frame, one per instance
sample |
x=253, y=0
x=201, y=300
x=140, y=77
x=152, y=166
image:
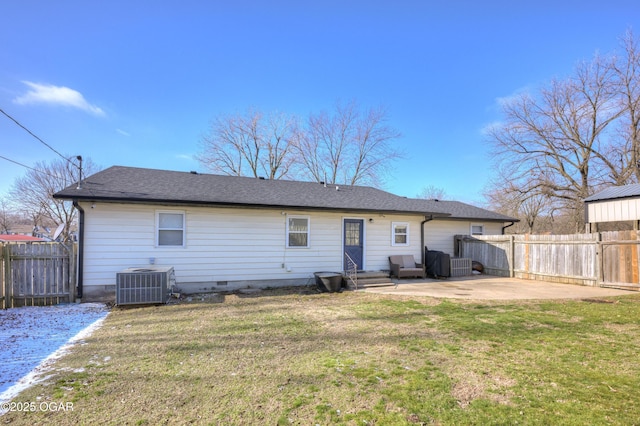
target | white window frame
x=183, y=228
x=473, y=225
x=287, y=242
x=394, y=234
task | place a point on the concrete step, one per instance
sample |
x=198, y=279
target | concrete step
x=371, y=279
x=381, y=284
x=372, y=274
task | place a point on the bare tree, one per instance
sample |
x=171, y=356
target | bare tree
x=7, y=216
x=575, y=136
x=33, y=193
x=251, y=144
x=558, y=144
x=347, y=146
x=432, y=192
x=530, y=207
x=627, y=71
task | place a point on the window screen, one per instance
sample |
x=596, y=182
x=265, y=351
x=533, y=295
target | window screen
x=400, y=234
x=298, y=232
x=170, y=229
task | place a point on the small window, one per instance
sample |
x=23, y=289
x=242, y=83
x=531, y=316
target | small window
x=170, y=228
x=399, y=234
x=477, y=229
x=297, y=231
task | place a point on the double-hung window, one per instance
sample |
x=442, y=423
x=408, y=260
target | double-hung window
x=399, y=234
x=170, y=230
x=297, y=231
x=477, y=229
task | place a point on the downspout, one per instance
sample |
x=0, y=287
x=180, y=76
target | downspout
x=422, y=238
x=80, y=247
x=505, y=227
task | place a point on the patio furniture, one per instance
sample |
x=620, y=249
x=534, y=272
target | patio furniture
x=438, y=264
x=405, y=266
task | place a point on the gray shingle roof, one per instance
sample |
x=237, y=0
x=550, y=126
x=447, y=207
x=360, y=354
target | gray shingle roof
x=615, y=192
x=458, y=210
x=129, y=184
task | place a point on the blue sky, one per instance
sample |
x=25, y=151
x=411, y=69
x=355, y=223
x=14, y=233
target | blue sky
x=136, y=83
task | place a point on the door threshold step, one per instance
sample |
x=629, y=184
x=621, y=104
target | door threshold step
x=380, y=284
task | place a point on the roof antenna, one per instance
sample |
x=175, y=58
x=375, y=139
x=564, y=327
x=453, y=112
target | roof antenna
x=79, y=158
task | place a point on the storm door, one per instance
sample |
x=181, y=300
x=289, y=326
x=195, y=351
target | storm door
x=354, y=242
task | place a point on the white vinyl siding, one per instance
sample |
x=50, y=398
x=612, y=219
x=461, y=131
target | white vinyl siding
x=439, y=233
x=226, y=244
x=379, y=235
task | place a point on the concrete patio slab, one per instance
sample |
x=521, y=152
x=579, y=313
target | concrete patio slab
x=484, y=287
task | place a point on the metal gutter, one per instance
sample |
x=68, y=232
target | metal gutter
x=505, y=227
x=79, y=282
x=422, y=239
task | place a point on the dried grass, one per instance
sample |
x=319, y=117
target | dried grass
x=295, y=357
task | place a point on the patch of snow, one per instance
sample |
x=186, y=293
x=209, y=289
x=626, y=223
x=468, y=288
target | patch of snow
x=32, y=338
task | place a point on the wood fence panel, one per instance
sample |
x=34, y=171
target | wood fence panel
x=493, y=251
x=573, y=258
x=610, y=257
x=620, y=259
x=558, y=256
x=38, y=274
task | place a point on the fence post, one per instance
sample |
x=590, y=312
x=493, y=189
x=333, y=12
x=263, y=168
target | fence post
x=8, y=285
x=512, y=256
x=599, y=260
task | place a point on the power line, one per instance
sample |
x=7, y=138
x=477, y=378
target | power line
x=27, y=167
x=35, y=136
x=15, y=162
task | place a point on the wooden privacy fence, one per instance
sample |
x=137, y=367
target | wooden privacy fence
x=605, y=259
x=36, y=274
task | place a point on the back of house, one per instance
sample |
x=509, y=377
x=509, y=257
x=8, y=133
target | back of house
x=221, y=233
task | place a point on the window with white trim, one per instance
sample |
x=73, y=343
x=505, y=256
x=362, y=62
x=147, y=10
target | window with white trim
x=297, y=231
x=399, y=234
x=477, y=229
x=170, y=228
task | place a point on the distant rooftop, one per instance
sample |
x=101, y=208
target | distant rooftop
x=9, y=238
x=615, y=192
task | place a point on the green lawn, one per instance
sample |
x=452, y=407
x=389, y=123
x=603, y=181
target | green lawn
x=288, y=357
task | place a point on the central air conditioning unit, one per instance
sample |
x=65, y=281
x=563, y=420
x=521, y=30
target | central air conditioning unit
x=150, y=285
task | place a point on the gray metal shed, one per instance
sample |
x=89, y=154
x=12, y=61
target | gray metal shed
x=614, y=204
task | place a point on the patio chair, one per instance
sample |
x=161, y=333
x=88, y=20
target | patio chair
x=405, y=266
